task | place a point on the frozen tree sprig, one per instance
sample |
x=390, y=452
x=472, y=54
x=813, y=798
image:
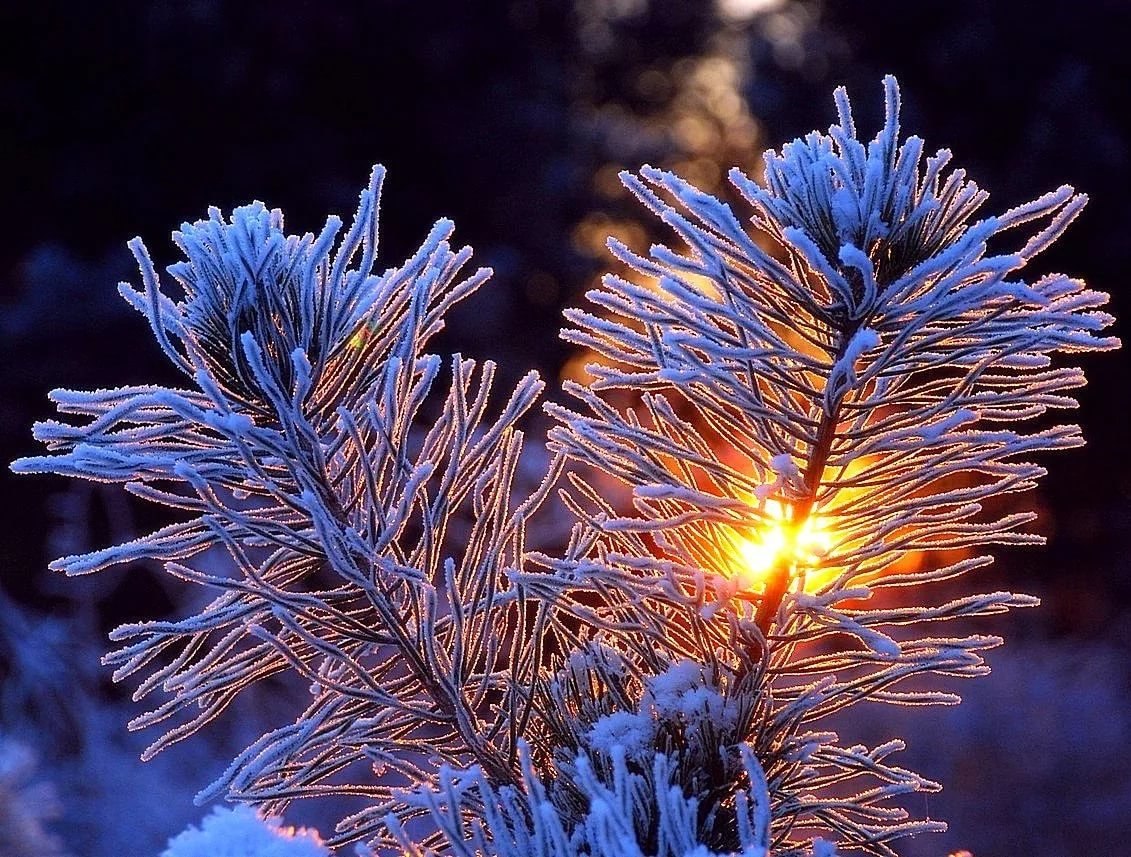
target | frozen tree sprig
x=795, y=409
x=327, y=455
x=529, y=823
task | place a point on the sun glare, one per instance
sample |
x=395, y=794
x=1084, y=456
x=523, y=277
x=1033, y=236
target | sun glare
x=759, y=553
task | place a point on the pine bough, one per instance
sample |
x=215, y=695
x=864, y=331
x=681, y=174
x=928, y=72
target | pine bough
x=854, y=358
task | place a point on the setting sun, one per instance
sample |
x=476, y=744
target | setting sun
x=759, y=553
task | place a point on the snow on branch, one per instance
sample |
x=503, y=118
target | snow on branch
x=327, y=455
x=801, y=404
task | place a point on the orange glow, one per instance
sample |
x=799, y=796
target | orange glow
x=778, y=540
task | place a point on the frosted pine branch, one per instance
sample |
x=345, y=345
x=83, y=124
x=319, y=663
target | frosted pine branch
x=860, y=364
x=533, y=826
x=316, y=448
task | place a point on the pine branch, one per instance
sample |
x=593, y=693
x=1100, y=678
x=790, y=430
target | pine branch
x=856, y=369
x=316, y=457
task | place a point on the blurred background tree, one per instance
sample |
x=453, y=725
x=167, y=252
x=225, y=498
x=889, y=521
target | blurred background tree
x=513, y=118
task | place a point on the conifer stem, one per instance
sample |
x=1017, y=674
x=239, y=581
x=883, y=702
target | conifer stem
x=778, y=582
